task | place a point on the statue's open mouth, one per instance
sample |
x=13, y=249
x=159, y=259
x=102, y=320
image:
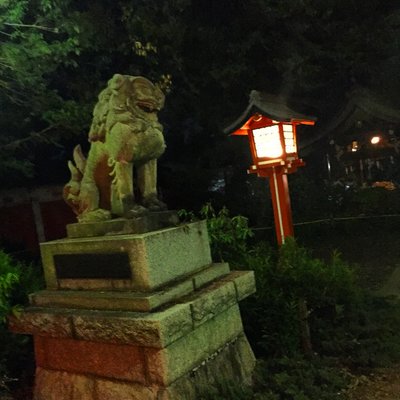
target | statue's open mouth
x=147, y=106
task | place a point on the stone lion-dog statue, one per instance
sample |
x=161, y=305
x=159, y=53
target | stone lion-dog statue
x=126, y=140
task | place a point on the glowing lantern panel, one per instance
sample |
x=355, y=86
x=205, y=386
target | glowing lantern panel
x=267, y=142
x=290, y=143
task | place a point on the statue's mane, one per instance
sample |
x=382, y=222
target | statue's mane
x=114, y=103
x=103, y=106
x=98, y=128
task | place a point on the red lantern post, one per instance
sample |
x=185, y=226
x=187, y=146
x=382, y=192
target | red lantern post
x=271, y=128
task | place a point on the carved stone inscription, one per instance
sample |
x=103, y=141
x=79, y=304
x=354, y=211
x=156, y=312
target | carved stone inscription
x=92, y=266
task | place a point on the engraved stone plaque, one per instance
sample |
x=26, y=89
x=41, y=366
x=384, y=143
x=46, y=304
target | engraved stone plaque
x=92, y=266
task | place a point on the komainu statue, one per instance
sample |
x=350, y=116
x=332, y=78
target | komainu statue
x=126, y=140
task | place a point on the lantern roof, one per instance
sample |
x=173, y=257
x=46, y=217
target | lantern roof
x=270, y=106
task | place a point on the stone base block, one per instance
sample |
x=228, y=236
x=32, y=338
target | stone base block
x=142, y=262
x=140, y=364
x=130, y=300
x=233, y=362
x=137, y=317
x=157, y=329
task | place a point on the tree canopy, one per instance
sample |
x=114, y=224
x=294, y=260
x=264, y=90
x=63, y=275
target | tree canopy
x=56, y=55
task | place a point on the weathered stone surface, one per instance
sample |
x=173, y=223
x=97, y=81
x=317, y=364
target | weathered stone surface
x=93, y=284
x=114, y=390
x=155, y=258
x=212, y=300
x=54, y=314
x=41, y=322
x=111, y=300
x=123, y=226
x=170, y=293
x=122, y=330
x=96, y=300
x=243, y=356
x=215, y=271
x=233, y=363
x=82, y=357
x=173, y=253
x=58, y=385
x=126, y=300
x=49, y=267
x=151, y=330
x=173, y=323
x=122, y=137
x=167, y=365
x=244, y=281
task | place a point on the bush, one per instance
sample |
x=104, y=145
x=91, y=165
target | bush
x=300, y=297
x=366, y=336
x=285, y=280
x=299, y=378
x=9, y=278
x=16, y=282
x=287, y=378
x=226, y=390
x=228, y=235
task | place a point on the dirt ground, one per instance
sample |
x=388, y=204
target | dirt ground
x=382, y=384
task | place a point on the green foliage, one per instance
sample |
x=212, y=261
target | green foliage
x=297, y=378
x=225, y=390
x=16, y=282
x=365, y=336
x=320, y=283
x=228, y=235
x=348, y=328
x=271, y=315
x=37, y=41
x=9, y=278
x=56, y=55
x=282, y=278
x=287, y=378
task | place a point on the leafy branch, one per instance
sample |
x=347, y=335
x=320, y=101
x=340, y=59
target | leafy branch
x=40, y=136
x=39, y=27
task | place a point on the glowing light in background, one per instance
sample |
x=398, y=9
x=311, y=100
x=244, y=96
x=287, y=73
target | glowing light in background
x=375, y=139
x=354, y=145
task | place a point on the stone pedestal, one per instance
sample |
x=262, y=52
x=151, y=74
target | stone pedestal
x=144, y=316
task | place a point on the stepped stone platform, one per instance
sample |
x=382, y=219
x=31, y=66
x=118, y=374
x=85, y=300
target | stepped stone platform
x=119, y=226
x=143, y=315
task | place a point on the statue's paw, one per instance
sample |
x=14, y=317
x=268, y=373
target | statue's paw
x=94, y=216
x=154, y=204
x=136, y=211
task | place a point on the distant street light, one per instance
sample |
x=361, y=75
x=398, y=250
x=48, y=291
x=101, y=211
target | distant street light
x=375, y=139
x=271, y=128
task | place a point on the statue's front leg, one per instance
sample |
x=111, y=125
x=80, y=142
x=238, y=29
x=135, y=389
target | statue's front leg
x=122, y=193
x=147, y=183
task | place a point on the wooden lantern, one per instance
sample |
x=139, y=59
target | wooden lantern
x=271, y=128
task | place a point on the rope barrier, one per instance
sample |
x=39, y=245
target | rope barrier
x=334, y=219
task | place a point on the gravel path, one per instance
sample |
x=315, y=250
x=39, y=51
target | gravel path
x=383, y=384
